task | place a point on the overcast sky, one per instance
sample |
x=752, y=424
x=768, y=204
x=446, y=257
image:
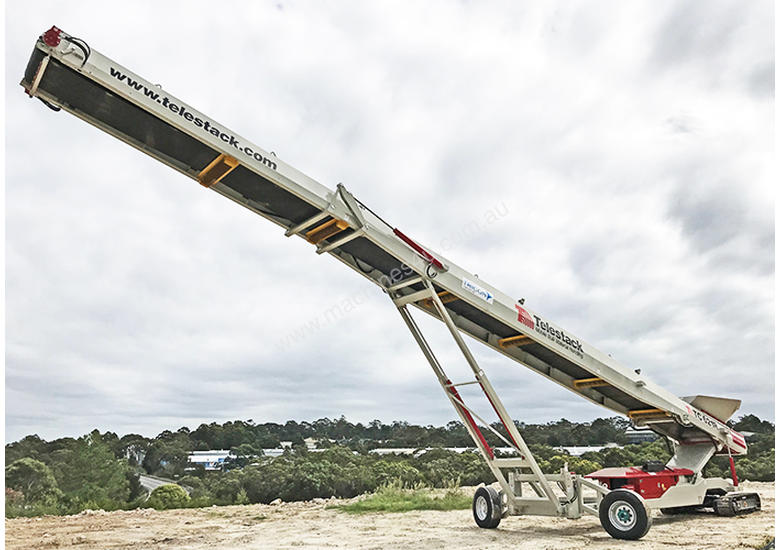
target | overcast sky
x=608, y=161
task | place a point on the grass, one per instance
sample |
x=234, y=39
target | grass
x=767, y=544
x=395, y=499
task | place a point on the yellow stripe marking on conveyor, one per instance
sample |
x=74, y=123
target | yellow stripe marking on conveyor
x=217, y=169
x=647, y=413
x=444, y=296
x=325, y=230
x=583, y=383
x=519, y=340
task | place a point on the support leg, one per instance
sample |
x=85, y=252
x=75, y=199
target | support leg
x=492, y=396
x=546, y=501
x=451, y=392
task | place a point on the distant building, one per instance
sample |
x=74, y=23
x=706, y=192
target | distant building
x=581, y=450
x=210, y=460
x=573, y=451
x=135, y=454
x=640, y=435
x=279, y=451
x=273, y=453
x=417, y=451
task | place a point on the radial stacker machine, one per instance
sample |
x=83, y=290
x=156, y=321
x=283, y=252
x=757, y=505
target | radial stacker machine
x=66, y=74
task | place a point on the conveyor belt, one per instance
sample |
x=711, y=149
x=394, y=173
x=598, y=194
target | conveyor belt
x=65, y=75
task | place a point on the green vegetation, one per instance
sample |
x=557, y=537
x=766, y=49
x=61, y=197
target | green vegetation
x=767, y=544
x=31, y=479
x=95, y=471
x=168, y=496
x=338, y=472
x=67, y=476
x=393, y=498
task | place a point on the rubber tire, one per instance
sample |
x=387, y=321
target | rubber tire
x=488, y=502
x=637, y=506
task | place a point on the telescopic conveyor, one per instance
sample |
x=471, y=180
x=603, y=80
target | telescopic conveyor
x=65, y=73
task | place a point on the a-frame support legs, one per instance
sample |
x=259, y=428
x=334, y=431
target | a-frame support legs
x=546, y=500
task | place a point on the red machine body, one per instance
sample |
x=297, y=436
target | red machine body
x=645, y=483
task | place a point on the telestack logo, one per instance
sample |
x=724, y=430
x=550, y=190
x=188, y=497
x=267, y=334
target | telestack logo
x=524, y=317
x=547, y=330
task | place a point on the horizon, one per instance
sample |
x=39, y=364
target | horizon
x=736, y=417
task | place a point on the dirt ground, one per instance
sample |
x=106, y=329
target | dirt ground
x=316, y=525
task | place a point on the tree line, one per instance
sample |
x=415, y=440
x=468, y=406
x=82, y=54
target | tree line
x=97, y=470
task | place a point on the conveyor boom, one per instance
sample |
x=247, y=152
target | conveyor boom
x=65, y=73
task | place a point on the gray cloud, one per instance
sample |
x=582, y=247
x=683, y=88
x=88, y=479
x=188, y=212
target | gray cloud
x=694, y=32
x=761, y=81
x=709, y=217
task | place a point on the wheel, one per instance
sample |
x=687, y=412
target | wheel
x=487, y=507
x=624, y=515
